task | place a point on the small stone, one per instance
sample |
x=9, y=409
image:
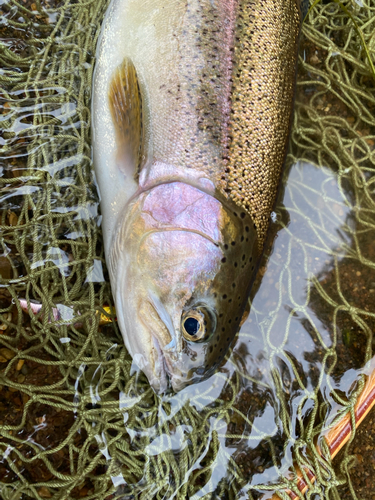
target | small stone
x=25, y=398
x=12, y=218
x=7, y=317
x=7, y=353
x=21, y=378
x=20, y=364
x=6, y=107
x=44, y=492
x=40, y=420
x=5, y=268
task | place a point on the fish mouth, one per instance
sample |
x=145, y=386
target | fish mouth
x=161, y=373
x=163, y=369
x=166, y=374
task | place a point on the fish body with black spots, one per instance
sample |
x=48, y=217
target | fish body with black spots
x=192, y=104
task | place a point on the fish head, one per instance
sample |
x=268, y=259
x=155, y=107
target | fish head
x=182, y=273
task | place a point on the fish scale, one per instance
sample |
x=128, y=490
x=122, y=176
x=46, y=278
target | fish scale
x=195, y=135
x=262, y=94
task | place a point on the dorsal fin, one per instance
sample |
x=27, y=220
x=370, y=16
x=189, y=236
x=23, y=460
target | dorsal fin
x=125, y=104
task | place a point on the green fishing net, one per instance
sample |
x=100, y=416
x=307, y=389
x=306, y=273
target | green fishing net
x=77, y=419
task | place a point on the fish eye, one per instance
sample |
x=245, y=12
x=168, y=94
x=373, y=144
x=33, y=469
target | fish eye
x=196, y=324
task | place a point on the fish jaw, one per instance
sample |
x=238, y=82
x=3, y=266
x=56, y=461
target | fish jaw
x=140, y=331
x=178, y=249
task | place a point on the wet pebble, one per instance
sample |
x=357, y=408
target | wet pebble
x=6, y=354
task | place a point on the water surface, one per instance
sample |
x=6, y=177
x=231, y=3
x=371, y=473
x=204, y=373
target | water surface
x=75, y=415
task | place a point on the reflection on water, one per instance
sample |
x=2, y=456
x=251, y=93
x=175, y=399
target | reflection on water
x=75, y=415
x=315, y=328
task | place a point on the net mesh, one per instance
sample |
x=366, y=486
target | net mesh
x=77, y=421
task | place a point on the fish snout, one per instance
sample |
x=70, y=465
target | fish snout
x=167, y=370
x=165, y=345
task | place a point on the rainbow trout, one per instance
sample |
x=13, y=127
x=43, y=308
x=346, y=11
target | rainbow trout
x=192, y=106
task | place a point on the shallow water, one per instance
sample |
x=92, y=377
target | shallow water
x=77, y=420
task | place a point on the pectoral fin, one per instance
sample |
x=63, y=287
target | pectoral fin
x=125, y=104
